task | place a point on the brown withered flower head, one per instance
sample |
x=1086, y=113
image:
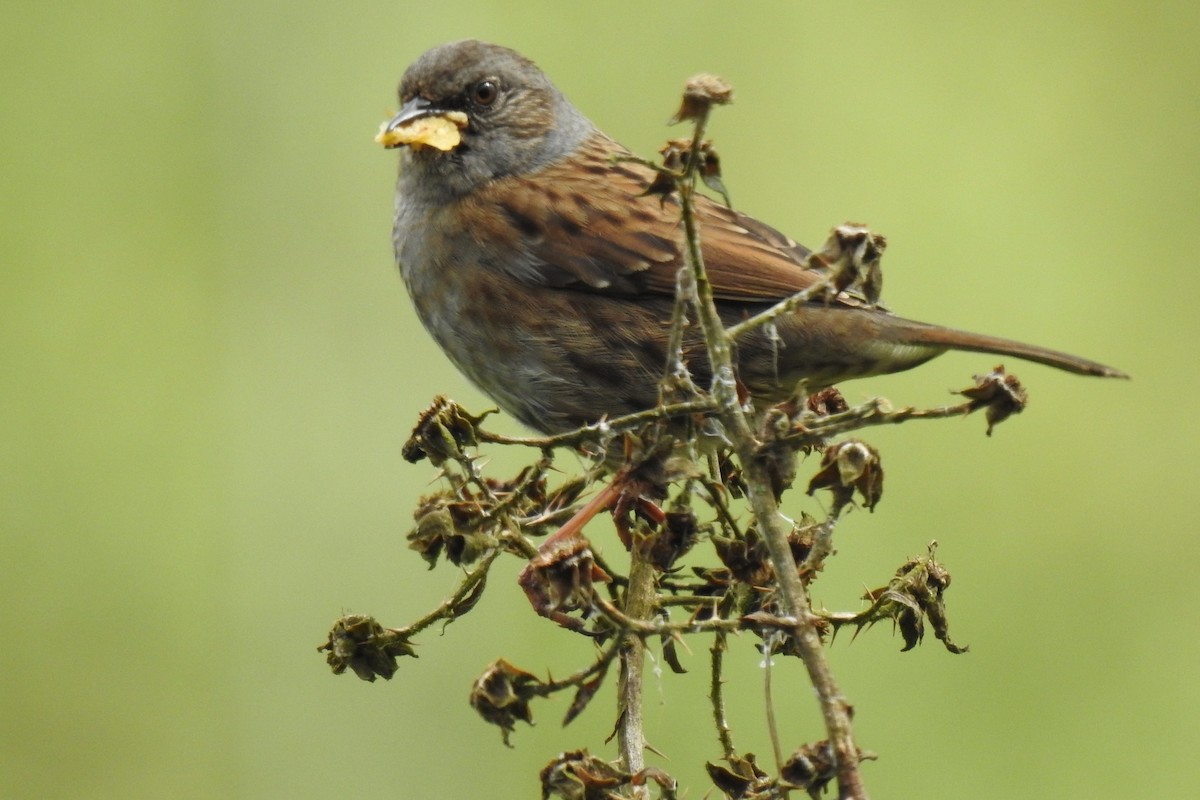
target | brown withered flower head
x=560, y=579
x=852, y=258
x=501, y=696
x=701, y=93
x=442, y=432
x=743, y=779
x=850, y=466
x=813, y=766
x=914, y=594
x=578, y=775
x=1000, y=393
x=672, y=539
x=827, y=402
x=460, y=528
x=361, y=644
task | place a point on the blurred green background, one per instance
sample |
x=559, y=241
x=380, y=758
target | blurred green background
x=209, y=365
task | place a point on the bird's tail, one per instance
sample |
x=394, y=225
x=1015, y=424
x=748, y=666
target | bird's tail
x=910, y=332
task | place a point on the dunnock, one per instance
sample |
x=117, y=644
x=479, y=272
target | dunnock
x=546, y=273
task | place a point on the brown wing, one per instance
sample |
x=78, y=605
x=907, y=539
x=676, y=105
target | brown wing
x=586, y=224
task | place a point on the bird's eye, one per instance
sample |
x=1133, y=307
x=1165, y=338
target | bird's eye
x=485, y=92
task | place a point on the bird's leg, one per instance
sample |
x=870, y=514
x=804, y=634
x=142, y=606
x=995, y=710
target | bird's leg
x=561, y=576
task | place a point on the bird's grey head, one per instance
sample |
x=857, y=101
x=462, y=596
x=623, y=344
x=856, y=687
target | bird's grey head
x=472, y=112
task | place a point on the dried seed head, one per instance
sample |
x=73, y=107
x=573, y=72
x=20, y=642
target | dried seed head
x=1001, y=394
x=848, y=466
x=701, y=93
x=578, y=775
x=441, y=433
x=501, y=696
x=361, y=644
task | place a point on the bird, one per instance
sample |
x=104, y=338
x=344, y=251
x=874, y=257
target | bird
x=538, y=262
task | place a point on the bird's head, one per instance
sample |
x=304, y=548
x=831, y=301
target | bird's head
x=472, y=112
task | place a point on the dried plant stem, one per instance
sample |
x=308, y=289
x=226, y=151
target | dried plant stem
x=675, y=370
x=819, y=289
x=769, y=702
x=474, y=581
x=872, y=413
x=794, y=601
x=716, y=694
x=577, y=679
x=601, y=431
x=834, y=707
x=646, y=627
x=639, y=605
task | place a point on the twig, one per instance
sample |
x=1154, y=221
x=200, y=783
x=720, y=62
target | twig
x=601, y=430
x=445, y=611
x=786, y=306
x=675, y=370
x=834, y=707
x=716, y=694
x=769, y=700
x=688, y=601
x=639, y=605
x=870, y=414
x=577, y=679
x=646, y=628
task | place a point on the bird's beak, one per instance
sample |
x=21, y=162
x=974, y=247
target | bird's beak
x=422, y=124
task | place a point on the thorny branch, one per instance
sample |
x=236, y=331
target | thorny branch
x=668, y=497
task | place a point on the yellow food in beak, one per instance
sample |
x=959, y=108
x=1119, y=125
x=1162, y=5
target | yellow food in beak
x=440, y=132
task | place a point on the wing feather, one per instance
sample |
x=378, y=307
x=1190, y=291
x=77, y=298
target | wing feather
x=586, y=224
